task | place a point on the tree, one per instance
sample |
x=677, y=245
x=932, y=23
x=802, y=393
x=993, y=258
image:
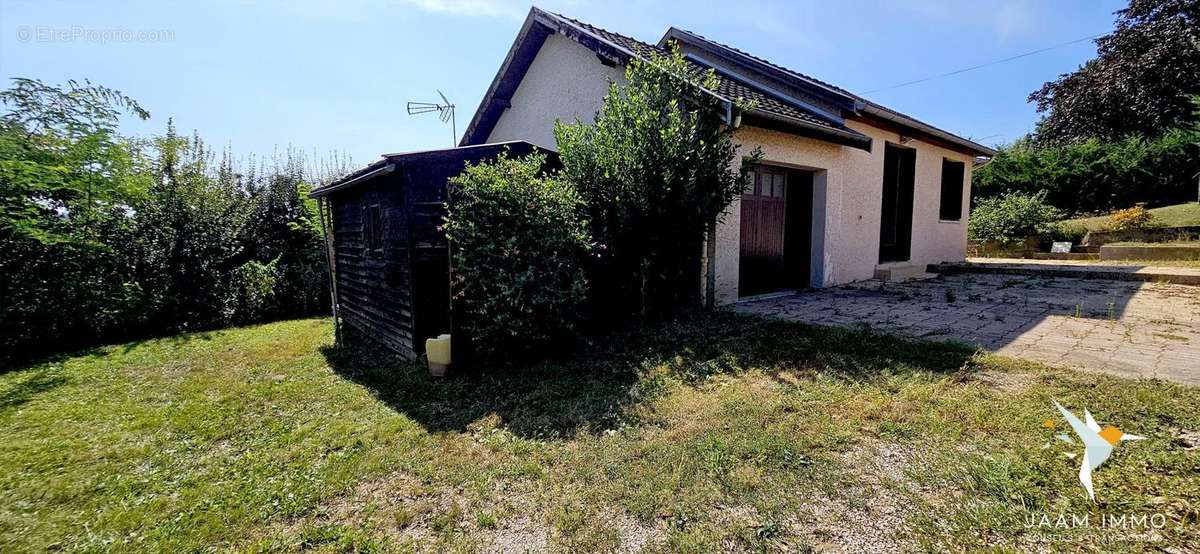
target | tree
x=655, y=171
x=67, y=186
x=104, y=237
x=1140, y=82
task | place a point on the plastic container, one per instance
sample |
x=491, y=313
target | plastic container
x=437, y=351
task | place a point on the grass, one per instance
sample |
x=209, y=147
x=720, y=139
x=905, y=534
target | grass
x=1179, y=215
x=718, y=432
x=1189, y=243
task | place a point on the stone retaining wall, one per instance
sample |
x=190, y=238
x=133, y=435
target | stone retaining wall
x=1155, y=234
x=1138, y=252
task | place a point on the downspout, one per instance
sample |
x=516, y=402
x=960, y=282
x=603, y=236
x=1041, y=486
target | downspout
x=330, y=266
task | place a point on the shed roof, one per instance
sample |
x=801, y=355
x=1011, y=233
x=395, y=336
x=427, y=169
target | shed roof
x=389, y=162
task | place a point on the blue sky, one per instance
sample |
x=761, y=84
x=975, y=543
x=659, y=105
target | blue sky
x=324, y=76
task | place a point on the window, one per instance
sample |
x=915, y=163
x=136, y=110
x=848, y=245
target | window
x=952, y=190
x=373, y=229
x=765, y=183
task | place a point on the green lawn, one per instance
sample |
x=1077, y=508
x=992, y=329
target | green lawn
x=1167, y=216
x=715, y=433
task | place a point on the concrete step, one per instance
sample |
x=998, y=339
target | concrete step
x=892, y=273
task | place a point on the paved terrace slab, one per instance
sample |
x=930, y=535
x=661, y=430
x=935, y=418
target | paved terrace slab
x=1126, y=328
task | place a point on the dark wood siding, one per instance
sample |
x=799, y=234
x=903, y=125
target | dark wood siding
x=397, y=292
x=374, y=286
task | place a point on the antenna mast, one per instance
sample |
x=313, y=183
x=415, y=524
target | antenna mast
x=445, y=113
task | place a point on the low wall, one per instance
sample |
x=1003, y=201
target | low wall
x=1157, y=252
x=1154, y=234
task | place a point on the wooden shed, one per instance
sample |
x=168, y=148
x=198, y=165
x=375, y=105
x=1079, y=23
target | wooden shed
x=389, y=259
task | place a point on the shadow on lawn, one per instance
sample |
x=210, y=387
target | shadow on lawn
x=593, y=390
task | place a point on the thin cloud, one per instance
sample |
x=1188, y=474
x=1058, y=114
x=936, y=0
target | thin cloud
x=1005, y=18
x=473, y=8
x=362, y=10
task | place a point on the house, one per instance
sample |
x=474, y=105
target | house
x=847, y=189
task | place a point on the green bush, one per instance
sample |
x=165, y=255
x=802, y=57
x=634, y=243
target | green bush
x=1063, y=231
x=519, y=244
x=253, y=290
x=1011, y=217
x=1095, y=176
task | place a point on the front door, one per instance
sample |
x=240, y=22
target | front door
x=763, y=207
x=895, y=221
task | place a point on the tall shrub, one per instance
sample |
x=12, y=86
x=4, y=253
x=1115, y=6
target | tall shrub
x=518, y=248
x=656, y=169
x=188, y=245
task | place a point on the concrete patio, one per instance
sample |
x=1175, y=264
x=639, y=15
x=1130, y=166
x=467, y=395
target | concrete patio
x=1130, y=329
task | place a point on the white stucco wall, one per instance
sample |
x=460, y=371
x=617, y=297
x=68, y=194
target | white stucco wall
x=848, y=186
x=565, y=81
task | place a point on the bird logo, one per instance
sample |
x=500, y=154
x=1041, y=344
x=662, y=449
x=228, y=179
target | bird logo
x=1098, y=443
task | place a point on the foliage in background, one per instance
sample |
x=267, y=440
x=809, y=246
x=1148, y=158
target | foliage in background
x=1011, y=217
x=1139, y=84
x=105, y=238
x=1095, y=176
x=1137, y=217
x=519, y=248
x=655, y=170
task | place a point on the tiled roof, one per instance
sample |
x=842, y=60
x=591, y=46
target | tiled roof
x=729, y=88
x=775, y=66
x=869, y=105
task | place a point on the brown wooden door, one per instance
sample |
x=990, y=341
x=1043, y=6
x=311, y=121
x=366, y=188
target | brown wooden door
x=763, y=207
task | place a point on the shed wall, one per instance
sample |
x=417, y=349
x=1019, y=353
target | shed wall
x=374, y=290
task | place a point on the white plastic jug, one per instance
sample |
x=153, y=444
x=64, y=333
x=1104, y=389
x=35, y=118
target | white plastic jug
x=437, y=351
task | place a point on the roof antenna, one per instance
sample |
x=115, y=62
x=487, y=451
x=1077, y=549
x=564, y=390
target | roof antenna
x=445, y=113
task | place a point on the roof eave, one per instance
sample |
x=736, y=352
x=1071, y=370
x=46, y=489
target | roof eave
x=377, y=169
x=538, y=26
x=768, y=120
x=917, y=125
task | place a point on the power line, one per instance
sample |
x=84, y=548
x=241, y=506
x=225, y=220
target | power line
x=993, y=62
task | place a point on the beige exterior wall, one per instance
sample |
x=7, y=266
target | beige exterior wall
x=564, y=81
x=847, y=199
x=567, y=81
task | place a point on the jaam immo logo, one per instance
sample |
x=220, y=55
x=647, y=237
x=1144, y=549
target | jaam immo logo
x=1098, y=443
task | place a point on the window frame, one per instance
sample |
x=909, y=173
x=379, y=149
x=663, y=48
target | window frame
x=373, y=230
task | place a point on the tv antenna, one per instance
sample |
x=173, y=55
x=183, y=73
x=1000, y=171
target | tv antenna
x=445, y=113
